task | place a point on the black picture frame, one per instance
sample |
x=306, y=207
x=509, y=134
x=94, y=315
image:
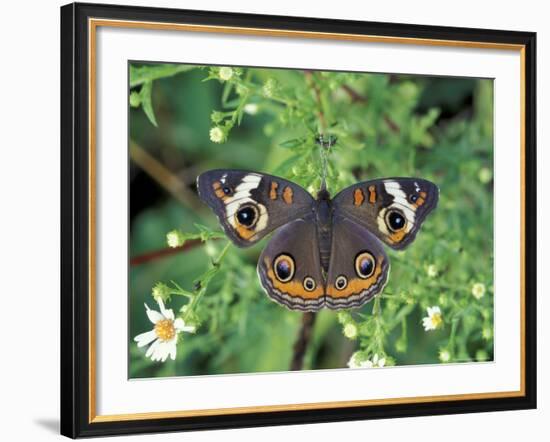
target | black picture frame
x=75, y=219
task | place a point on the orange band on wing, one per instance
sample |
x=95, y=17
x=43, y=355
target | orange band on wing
x=421, y=200
x=292, y=288
x=287, y=195
x=244, y=233
x=372, y=194
x=273, y=190
x=396, y=237
x=358, y=197
x=357, y=285
x=217, y=186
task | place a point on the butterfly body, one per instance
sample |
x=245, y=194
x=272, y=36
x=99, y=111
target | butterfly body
x=323, y=220
x=325, y=252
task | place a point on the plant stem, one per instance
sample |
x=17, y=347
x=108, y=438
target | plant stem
x=162, y=253
x=356, y=97
x=320, y=113
x=302, y=341
x=163, y=176
x=215, y=263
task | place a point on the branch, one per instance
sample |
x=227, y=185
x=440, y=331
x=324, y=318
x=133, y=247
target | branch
x=164, y=177
x=302, y=341
x=320, y=114
x=356, y=97
x=162, y=253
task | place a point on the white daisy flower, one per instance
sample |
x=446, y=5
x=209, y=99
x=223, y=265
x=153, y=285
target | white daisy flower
x=350, y=330
x=431, y=271
x=225, y=73
x=433, y=320
x=444, y=355
x=357, y=361
x=164, y=335
x=378, y=362
x=478, y=290
x=251, y=108
x=216, y=135
x=174, y=238
x=485, y=175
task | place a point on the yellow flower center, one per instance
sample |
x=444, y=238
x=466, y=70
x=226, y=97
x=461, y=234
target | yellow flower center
x=436, y=320
x=165, y=330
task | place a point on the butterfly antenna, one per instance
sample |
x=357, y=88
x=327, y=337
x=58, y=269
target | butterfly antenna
x=323, y=168
x=325, y=145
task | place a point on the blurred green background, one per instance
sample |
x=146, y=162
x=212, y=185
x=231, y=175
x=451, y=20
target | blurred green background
x=188, y=119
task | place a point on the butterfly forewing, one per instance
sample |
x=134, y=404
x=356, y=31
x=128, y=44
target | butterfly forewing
x=250, y=205
x=391, y=208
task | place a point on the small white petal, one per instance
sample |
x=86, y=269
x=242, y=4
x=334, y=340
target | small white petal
x=427, y=323
x=145, y=338
x=180, y=326
x=159, y=352
x=166, y=349
x=173, y=352
x=152, y=349
x=382, y=362
x=153, y=315
x=167, y=313
x=161, y=305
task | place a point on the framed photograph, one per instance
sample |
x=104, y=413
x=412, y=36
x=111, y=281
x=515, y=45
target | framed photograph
x=278, y=220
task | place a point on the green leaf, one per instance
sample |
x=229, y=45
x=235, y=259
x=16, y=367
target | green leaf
x=147, y=103
x=146, y=73
x=226, y=92
x=289, y=144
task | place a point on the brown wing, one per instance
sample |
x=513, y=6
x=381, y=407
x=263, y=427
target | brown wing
x=358, y=268
x=250, y=205
x=391, y=208
x=290, y=269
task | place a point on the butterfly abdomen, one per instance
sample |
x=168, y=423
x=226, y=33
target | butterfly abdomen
x=323, y=214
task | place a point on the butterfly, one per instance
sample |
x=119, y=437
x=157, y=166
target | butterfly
x=325, y=252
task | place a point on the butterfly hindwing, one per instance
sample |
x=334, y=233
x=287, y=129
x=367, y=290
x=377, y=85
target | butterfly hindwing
x=250, y=205
x=391, y=208
x=358, y=268
x=289, y=267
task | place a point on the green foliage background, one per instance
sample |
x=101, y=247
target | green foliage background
x=387, y=125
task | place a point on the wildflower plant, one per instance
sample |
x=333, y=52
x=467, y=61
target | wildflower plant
x=438, y=304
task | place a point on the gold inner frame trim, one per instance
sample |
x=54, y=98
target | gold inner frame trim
x=93, y=24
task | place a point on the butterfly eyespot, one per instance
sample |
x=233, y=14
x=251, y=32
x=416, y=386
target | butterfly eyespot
x=247, y=215
x=309, y=283
x=395, y=220
x=413, y=198
x=227, y=190
x=365, y=265
x=283, y=266
x=341, y=282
